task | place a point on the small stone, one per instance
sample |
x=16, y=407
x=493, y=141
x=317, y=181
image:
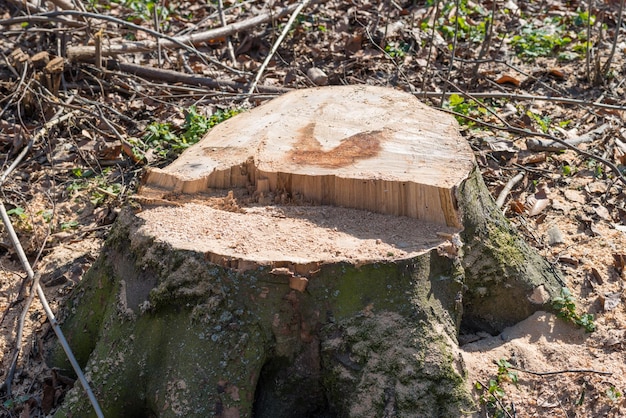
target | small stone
x=317, y=76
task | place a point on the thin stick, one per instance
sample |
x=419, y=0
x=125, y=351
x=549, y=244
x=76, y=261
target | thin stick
x=229, y=44
x=507, y=189
x=29, y=301
x=286, y=30
x=607, y=65
x=514, y=96
x=542, y=145
x=44, y=302
x=563, y=371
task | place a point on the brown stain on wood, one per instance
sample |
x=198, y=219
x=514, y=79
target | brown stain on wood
x=308, y=150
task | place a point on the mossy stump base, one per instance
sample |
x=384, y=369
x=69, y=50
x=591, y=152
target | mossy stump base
x=265, y=286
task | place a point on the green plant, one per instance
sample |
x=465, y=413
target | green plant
x=144, y=10
x=471, y=108
x=46, y=215
x=505, y=373
x=492, y=394
x=613, y=394
x=397, y=49
x=468, y=22
x=165, y=140
x=99, y=187
x=566, y=307
x=542, y=121
x=69, y=225
x=18, y=212
x=533, y=42
x=567, y=170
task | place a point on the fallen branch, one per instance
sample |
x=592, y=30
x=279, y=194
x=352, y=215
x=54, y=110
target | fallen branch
x=44, y=302
x=550, y=145
x=81, y=53
x=171, y=76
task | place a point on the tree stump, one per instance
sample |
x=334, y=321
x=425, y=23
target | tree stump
x=313, y=257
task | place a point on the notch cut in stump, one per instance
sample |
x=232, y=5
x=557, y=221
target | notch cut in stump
x=316, y=256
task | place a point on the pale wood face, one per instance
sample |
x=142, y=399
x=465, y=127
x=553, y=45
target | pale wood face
x=361, y=147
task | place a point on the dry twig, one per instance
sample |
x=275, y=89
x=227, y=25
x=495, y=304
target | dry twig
x=507, y=189
x=562, y=371
x=286, y=29
x=53, y=321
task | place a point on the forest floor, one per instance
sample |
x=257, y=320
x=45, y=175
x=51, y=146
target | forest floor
x=530, y=70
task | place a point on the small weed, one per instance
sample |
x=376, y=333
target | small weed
x=583, y=19
x=533, y=42
x=542, y=121
x=613, y=394
x=99, y=187
x=469, y=22
x=397, y=50
x=18, y=212
x=68, y=225
x=492, y=395
x=471, y=108
x=504, y=372
x=567, y=170
x=566, y=307
x=143, y=10
x=165, y=140
x=46, y=215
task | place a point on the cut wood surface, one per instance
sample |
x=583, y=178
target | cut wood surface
x=360, y=147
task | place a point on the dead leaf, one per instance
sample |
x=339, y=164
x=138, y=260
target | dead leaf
x=507, y=79
x=109, y=152
x=611, y=301
x=575, y=196
x=517, y=206
x=597, y=276
x=555, y=72
x=569, y=260
x=619, y=261
x=536, y=206
x=603, y=213
x=353, y=44
x=539, y=201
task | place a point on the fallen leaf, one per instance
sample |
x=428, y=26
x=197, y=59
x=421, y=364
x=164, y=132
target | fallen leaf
x=611, y=301
x=603, y=213
x=619, y=261
x=536, y=206
x=596, y=275
x=575, y=196
x=539, y=201
x=507, y=79
x=555, y=72
x=517, y=206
